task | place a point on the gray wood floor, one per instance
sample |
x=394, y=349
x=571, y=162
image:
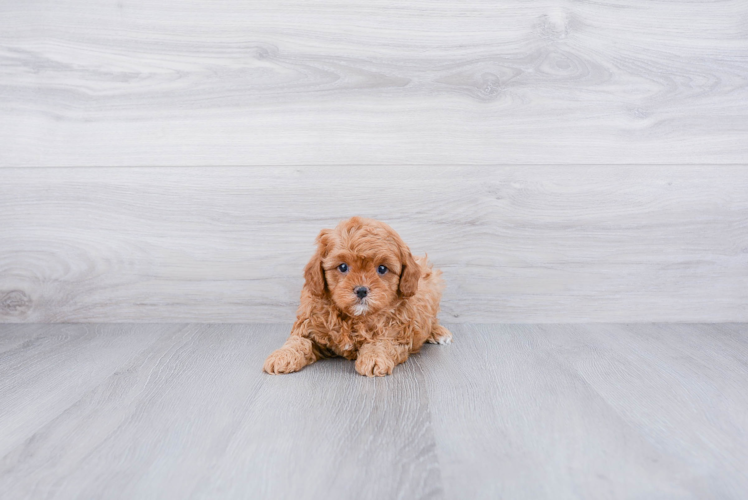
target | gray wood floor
x=507, y=411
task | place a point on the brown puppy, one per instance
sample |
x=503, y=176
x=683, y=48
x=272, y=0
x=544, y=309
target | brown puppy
x=365, y=298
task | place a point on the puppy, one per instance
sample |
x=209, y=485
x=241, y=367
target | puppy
x=365, y=298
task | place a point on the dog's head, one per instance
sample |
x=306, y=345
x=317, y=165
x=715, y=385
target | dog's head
x=363, y=266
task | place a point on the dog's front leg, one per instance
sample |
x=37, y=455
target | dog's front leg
x=379, y=357
x=295, y=354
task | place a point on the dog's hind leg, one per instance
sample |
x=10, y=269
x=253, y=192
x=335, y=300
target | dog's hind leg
x=439, y=334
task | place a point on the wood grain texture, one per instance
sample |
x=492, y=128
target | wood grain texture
x=516, y=244
x=194, y=416
x=508, y=411
x=31, y=397
x=188, y=82
x=591, y=411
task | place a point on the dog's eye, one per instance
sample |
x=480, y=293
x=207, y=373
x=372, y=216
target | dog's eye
x=382, y=269
x=343, y=268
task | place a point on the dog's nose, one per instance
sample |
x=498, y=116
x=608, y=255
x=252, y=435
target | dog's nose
x=361, y=291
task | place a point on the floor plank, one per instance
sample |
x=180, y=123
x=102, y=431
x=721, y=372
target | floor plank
x=172, y=83
x=332, y=434
x=590, y=411
x=512, y=411
x=56, y=366
x=194, y=415
x=684, y=391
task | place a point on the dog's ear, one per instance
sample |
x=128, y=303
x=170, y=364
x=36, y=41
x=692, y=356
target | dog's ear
x=313, y=272
x=410, y=273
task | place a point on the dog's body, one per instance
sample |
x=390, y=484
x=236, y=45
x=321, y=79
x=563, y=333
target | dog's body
x=366, y=298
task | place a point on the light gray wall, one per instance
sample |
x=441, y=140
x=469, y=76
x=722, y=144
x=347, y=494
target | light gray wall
x=540, y=244
x=279, y=82
x=560, y=160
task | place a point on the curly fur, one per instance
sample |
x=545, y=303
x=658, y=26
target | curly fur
x=379, y=331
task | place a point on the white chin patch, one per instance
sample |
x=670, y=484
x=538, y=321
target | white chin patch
x=360, y=309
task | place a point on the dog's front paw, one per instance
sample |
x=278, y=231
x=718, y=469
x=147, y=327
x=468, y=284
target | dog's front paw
x=284, y=360
x=440, y=335
x=374, y=366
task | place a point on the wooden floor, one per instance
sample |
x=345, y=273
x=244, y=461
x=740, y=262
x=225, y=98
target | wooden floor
x=507, y=411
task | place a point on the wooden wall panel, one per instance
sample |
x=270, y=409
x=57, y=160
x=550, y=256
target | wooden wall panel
x=517, y=244
x=190, y=82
